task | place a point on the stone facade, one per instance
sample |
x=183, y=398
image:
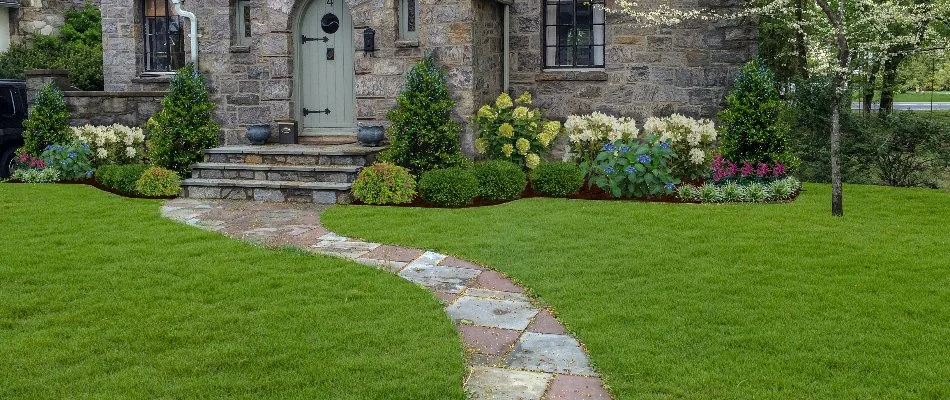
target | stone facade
x=41, y=17
x=130, y=108
x=648, y=71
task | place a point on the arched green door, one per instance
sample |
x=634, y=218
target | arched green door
x=325, y=94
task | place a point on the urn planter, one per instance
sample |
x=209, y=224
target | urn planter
x=258, y=133
x=371, y=136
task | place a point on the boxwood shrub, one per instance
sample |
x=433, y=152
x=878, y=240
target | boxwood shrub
x=158, y=182
x=120, y=177
x=384, y=183
x=499, y=180
x=450, y=187
x=557, y=179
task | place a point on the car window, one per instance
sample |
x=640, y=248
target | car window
x=7, y=107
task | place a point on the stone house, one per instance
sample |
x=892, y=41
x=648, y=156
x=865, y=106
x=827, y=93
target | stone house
x=308, y=61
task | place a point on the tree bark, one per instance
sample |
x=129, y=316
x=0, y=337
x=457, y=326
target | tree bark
x=836, y=20
x=868, y=96
x=888, y=80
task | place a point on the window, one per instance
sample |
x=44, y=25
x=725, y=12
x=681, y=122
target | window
x=242, y=22
x=7, y=103
x=574, y=33
x=164, y=37
x=408, y=16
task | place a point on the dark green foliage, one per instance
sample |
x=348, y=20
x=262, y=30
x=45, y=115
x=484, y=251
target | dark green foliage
x=423, y=135
x=910, y=150
x=810, y=138
x=450, y=187
x=499, y=180
x=120, y=177
x=384, y=183
x=184, y=127
x=48, y=123
x=78, y=49
x=752, y=122
x=558, y=179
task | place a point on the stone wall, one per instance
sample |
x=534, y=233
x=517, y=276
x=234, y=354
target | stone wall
x=649, y=71
x=489, y=51
x=130, y=108
x=41, y=16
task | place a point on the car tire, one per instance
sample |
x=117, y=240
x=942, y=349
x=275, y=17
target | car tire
x=6, y=162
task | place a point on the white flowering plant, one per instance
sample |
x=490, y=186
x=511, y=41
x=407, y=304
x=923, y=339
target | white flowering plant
x=510, y=130
x=112, y=144
x=589, y=133
x=692, y=142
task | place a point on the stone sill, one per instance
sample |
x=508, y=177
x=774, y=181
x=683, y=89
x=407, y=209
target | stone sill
x=83, y=93
x=162, y=78
x=240, y=49
x=407, y=43
x=572, y=75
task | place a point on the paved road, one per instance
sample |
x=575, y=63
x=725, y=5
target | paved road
x=911, y=106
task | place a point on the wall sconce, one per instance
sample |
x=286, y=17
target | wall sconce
x=369, y=40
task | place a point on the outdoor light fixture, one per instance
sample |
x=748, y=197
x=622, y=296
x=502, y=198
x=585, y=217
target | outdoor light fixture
x=369, y=40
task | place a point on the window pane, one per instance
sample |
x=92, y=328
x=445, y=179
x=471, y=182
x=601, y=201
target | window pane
x=599, y=55
x=550, y=56
x=582, y=38
x=564, y=36
x=565, y=14
x=583, y=16
x=584, y=56
x=574, y=33
x=246, y=17
x=565, y=56
x=598, y=35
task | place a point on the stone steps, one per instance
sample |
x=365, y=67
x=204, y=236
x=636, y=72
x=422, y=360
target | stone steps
x=266, y=172
x=279, y=173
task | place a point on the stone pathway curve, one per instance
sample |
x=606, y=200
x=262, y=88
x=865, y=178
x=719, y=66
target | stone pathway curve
x=514, y=349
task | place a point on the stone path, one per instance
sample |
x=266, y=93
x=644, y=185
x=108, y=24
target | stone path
x=514, y=349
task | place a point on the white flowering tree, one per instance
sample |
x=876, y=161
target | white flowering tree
x=839, y=35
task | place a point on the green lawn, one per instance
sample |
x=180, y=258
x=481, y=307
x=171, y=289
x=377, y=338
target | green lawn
x=720, y=302
x=100, y=297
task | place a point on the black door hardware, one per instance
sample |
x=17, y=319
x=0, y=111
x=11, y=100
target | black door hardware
x=307, y=112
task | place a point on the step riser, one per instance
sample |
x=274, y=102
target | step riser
x=296, y=176
x=279, y=159
x=289, y=195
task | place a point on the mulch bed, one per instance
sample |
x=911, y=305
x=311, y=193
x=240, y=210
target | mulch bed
x=97, y=185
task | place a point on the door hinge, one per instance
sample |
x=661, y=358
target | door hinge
x=305, y=39
x=307, y=112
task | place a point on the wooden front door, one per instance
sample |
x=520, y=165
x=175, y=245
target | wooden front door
x=325, y=94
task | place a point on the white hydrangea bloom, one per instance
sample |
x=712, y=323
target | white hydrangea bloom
x=102, y=153
x=130, y=152
x=697, y=156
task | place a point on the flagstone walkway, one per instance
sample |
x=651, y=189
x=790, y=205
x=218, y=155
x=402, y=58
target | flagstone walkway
x=514, y=349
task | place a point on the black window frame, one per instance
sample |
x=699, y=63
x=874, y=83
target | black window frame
x=593, y=4
x=153, y=48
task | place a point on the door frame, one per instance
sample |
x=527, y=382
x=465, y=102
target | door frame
x=298, y=71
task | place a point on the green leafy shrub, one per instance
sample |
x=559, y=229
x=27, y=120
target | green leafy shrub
x=710, y=193
x=72, y=160
x=184, y=127
x=754, y=128
x=781, y=189
x=757, y=192
x=635, y=168
x=687, y=192
x=384, y=183
x=48, y=122
x=158, y=182
x=77, y=48
x=499, y=180
x=121, y=177
x=733, y=192
x=422, y=134
x=509, y=130
x=30, y=175
x=558, y=179
x=450, y=187
x=911, y=150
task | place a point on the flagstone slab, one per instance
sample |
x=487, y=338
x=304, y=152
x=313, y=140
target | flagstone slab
x=545, y=323
x=496, y=281
x=545, y=352
x=487, y=383
x=491, y=341
x=393, y=253
x=573, y=387
x=458, y=263
x=492, y=313
x=441, y=279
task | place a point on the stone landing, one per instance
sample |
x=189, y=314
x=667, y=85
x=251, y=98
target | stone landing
x=279, y=173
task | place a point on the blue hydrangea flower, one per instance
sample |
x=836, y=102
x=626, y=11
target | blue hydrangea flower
x=49, y=146
x=63, y=162
x=609, y=170
x=85, y=146
x=89, y=173
x=72, y=155
x=609, y=147
x=665, y=145
x=624, y=149
x=670, y=186
x=631, y=170
x=644, y=159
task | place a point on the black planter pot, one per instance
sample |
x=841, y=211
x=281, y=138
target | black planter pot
x=258, y=133
x=371, y=136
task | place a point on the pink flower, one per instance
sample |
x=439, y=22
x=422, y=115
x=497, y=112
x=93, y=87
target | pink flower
x=779, y=169
x=747, y=169
x=762, y=170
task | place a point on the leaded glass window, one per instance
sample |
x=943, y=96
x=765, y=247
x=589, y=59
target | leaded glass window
x=574, y=33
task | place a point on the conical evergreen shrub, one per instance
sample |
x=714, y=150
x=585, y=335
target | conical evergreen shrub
x=49, y=121
x=423, y=135
x=753, y=124
x=184, y=127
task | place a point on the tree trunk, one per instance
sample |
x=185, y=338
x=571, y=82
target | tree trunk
x=868, y=96
x=837, y=206
x=888, y=79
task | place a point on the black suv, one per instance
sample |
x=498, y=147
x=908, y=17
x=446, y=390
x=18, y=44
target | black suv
x=12, y=113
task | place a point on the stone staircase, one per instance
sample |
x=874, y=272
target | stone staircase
x=281, y=173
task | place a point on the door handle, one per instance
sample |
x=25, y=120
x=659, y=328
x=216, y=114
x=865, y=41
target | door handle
x=307, y=112
x=305, y=39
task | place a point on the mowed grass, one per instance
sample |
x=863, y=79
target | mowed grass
x=723, y=301
x=100, y=297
